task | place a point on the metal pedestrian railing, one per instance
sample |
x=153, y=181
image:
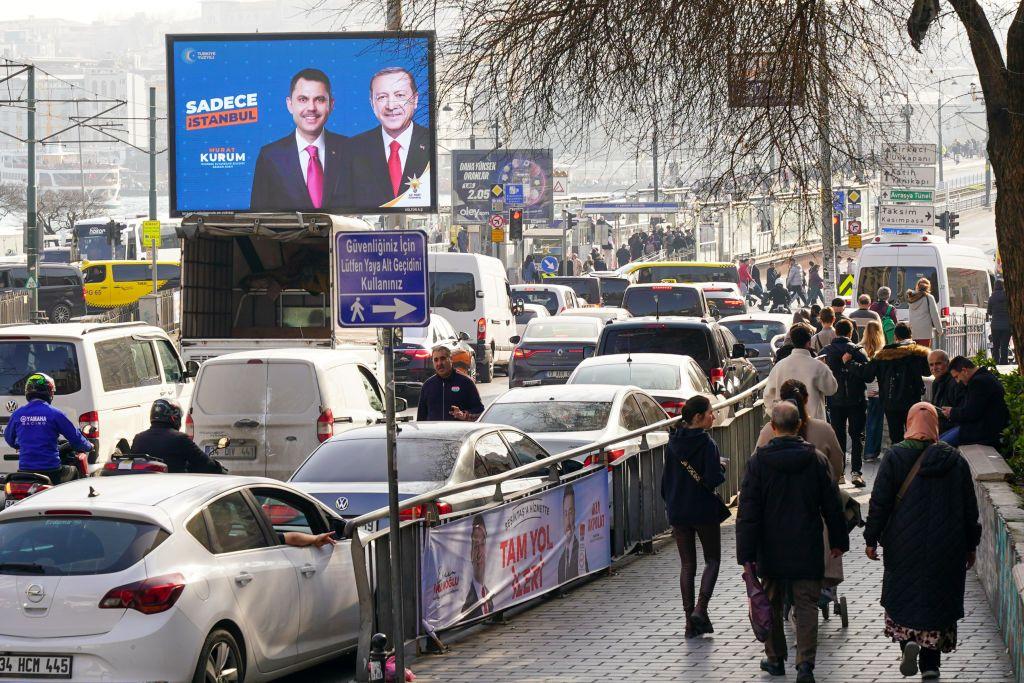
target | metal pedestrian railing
x=966, y=334
x=15, y=307
x=637, y=514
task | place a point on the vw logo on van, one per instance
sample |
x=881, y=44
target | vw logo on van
x=341, y=503
x=11, y=406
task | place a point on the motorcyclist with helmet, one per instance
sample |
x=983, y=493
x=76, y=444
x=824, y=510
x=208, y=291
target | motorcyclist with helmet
x=35, y=427
x=164, y=440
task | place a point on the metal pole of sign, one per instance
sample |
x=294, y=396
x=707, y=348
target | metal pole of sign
x=394, y=535
x=152, y=181
x=31, y=228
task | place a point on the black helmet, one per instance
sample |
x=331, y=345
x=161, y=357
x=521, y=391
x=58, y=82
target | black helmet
x=39, y=385
x=165, y=411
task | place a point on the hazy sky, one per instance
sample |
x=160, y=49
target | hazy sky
x=96, y=9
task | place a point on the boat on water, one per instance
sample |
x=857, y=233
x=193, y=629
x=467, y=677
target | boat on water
x=62, y=172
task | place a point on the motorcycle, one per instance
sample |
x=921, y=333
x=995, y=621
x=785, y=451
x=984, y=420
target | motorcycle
x=122, y=461
x=20, y=485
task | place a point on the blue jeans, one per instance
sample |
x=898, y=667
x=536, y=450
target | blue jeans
x=873, y=428
x=952, y=437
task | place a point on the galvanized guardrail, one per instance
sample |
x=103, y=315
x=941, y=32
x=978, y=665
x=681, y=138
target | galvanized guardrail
x=966, y=334
x=637, y=515
x=15, y=307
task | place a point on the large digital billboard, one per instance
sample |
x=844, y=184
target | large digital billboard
x=489, y=182
x=330, y=122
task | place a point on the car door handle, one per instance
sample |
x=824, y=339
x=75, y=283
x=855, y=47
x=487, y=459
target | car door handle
x=243, y=579
x=308, y=570
x=496, y=321
x=246, y=423
x=344, y=418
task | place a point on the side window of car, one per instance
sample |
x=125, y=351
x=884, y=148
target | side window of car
x=698, y=378
x=197, y=527
x=652, y=411
x=126, y=363
x=94, y=275
x=144, y=359
x=492, y=456
x=234, y=525
x=372, y=389
x=173, y=373
x=525, y=449
x=288, y=512
x=631, y=416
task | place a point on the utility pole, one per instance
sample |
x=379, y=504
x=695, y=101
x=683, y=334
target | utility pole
x=828, y=245
x=152, y=178
x=654, y=144
x=31, y=229
x=941, y=178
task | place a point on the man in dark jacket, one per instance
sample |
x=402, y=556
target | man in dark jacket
x=448, y=395
x=787, y=490
x=999, y=312
x=982, y=415
x=773, y=277
x=848, y=406
x=164, y=440
x=882, y=307
x=899, y=368
x=839, y=308
x=622, y=255
x=946, y=391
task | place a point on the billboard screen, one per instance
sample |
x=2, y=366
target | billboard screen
x=490, y=182
x=336, y=122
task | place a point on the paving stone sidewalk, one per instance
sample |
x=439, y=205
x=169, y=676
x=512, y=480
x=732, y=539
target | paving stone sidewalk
x=629, y=627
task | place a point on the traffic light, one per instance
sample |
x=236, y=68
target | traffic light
x=943, y=219
x=837, y=223
x=952, y=222
x=515, y=224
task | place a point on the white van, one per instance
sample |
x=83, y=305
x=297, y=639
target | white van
x=277, y=405
x=472, y=292
x=959, y=274
x=555, y=298
x=107, y=376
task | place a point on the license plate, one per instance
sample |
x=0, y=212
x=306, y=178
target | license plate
x=2, y=428
x=8, y=502
x=14, y=665
x=559, y=374
x=237, y=453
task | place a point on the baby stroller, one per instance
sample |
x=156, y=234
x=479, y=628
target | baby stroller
x=834, y=570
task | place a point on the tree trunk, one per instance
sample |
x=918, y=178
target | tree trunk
x=1006, y=150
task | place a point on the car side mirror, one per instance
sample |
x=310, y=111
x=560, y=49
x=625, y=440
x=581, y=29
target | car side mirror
x=753, y=353
x=463, y=336
x=90, y=432
x=191, y=368
x=401, y=404
x=515, y=339
x=739, y=351
x=479, y=294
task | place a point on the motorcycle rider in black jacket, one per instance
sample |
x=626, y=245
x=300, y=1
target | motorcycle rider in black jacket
x=165, y=441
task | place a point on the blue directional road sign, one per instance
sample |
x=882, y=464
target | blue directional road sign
x=514, y=194
x=838, y=200
x=549, y=264
x=382, y=279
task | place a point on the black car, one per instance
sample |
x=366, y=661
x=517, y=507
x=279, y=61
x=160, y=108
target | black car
x=586, y=287
x=61, y=292
x=666, y=300
x=612, y=289
x=551, y=348
x=720, y=356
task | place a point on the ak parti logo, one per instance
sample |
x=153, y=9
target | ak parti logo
x=215, y=112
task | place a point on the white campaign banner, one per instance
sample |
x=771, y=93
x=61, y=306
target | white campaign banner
x=501, y=557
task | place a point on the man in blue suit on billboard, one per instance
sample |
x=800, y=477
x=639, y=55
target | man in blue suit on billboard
x=303, y=171
x=391, y=160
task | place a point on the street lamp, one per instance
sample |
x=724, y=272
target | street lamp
x=472, y=120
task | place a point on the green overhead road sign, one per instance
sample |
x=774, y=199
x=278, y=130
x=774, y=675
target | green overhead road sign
x=908, y=196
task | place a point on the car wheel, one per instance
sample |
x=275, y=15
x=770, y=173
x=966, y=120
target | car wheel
x=484, y=373
x=220, y=660
x=61, y=313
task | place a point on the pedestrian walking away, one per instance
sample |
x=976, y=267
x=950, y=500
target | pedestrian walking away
x=622, y=255
x=999, y=313
x=873, y=342
x=924, y=513
x=530, y=274
x=847, y=408
x=924, y=319
x=801, y=365
x=838, y=306
x=899, y=368
x=448, y=395
x=982, y=415
x=463, y=240
x=818, y=433
x=815, y=284
x=887, y=313
x=946, y=392
x=772, y=277
x=787, y=499
x=827, y=333
x=694, y=468
x=863, y=314
x=795, y=282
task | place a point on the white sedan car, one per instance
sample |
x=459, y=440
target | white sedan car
x=185, y=577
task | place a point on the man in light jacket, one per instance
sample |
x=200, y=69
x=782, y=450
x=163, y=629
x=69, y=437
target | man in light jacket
x=801, y=365
x=795, y=282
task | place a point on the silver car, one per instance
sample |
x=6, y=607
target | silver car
x=756, y=331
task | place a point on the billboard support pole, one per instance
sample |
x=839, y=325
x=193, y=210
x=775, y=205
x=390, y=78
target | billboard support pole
x=152, y=179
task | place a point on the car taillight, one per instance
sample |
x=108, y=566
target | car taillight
x=595, y=458
x=325, y=425
x=190, y=427
x=661, y=288
x=673, y=408
x=16, y=490
x=945, y=311
x=420, y=354
x=90, y=419
x=481, y=330
x=150, y=596
x=528, y=353
x=280, y=513
x=136, y=465
x=717, y=375
x=732, y=302
x=418, y=511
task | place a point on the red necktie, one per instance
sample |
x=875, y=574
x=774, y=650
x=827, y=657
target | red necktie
x=395, y=166
x=315, y=178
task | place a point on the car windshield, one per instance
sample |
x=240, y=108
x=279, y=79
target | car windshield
x=548, y=300
x=670, y=273
x=64, y=546
x=660, y=338
x=897, y=278
x=642, y=301
x=644, y=375
x=754, y=331
x=612, y=289
x=19, y=359
x=525, y=317
x=550, y=416
x=365, y=460
x=586, y=288
x=555, y=329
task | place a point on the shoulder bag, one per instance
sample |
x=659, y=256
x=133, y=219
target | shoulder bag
x=904, y=486
x=723, y=510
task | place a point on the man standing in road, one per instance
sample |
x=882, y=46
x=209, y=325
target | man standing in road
x=999, y=312
x=787, y=492
x=448, y=395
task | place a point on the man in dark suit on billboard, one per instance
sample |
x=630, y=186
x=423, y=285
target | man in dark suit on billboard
x=303, y=171
x=479, y=601
x=573, y=560
x=390, y=160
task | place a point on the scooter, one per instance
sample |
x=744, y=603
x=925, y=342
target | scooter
x=123, y=462
x=20, y=485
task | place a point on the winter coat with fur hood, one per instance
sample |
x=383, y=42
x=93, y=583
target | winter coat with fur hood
x=900, y=369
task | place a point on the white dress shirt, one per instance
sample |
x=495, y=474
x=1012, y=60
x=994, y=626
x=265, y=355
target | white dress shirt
x=404, y=139
x=304, y=155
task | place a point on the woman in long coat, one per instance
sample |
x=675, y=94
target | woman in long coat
x=928, y=538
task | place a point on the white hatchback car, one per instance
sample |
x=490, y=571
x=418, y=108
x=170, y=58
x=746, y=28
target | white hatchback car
x=185, y=578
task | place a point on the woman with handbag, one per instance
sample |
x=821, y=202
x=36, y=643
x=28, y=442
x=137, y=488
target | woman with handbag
x=693, y=470
x=924, y=512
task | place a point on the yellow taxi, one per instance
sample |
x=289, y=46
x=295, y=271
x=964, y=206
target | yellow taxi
x=681, y=272
x=110, y=284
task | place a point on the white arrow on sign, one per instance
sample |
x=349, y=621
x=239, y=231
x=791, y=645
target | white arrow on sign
x=910, y=177
x=906, y=215
x=400, y=309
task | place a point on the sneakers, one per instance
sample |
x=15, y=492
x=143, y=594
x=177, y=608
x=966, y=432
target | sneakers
x=805, y=673
x=908, y=663
x=871, y=458
x=773, y=667
x=857, y=480
x=929, y=675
